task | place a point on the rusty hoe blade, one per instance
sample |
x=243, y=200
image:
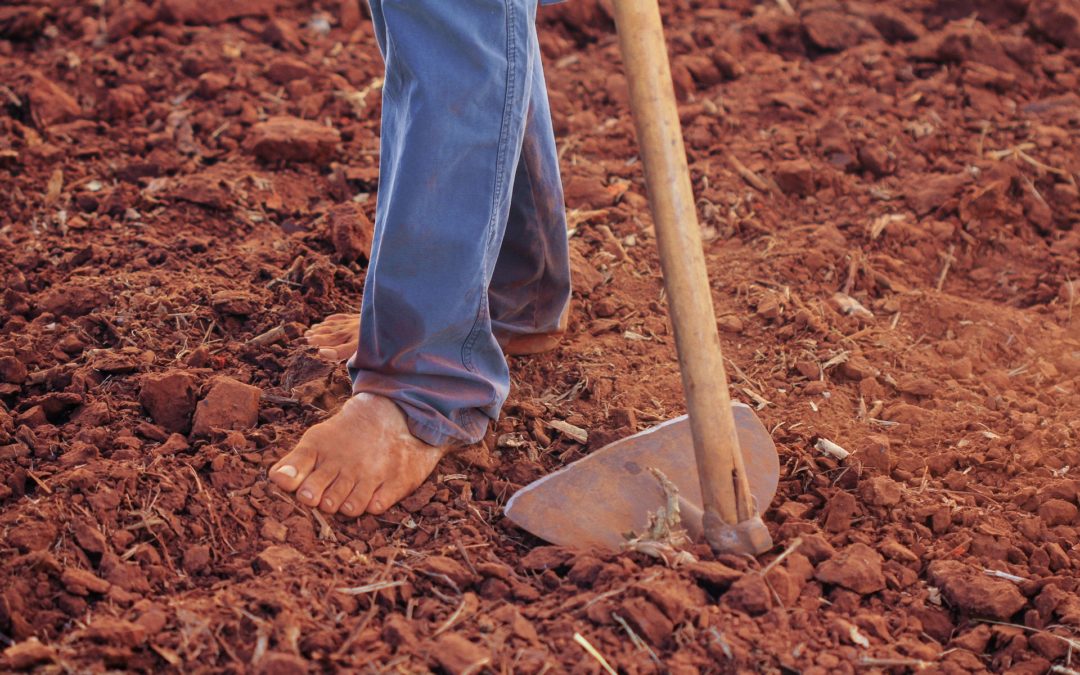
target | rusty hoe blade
x=598, y=500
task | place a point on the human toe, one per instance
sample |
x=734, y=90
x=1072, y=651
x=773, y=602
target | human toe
x=334, y=497
x=331, y=337
x=341, y=352
x=357, y=501
x=312, y=489
x=339, y=318
x=389, y=493
x=326, y=333
x=292, y=469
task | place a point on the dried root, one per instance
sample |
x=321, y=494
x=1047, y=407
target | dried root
x=665, y=535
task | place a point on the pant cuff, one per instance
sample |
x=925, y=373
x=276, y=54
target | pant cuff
x=437, y=434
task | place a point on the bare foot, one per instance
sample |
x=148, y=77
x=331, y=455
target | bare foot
x=337, y=337
x=363, y=459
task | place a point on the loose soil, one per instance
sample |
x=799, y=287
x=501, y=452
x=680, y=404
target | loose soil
x=889, y=200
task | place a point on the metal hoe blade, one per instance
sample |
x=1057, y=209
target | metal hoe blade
x=599, y=499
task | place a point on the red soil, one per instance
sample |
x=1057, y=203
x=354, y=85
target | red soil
x=185, y=186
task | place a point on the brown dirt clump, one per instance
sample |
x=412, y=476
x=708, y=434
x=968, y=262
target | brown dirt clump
x=889, y=201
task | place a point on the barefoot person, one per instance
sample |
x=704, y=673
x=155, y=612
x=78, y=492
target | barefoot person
x=469, y=255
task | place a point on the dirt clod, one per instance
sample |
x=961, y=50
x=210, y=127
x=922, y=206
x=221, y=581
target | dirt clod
x=1057, y=512
x=751, y=594
x=458, y=656
x=280, y=663
x=113, y=631
x=1059, y=20
x=276, y=558
x=196, y=558
x=857, y=568
x=351, y=232
x=974, y=592
x=49, y=102
x=291, y=139
x=881, y=491
x=33, y=536
x=448, y=568
x=27, y=654
x=228, y=405
x=647, y=620
x=12, y=370
x=82, y=582
x=170, y=399
x=795, y=177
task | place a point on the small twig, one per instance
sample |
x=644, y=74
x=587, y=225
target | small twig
x=719, y=639
x=982, y=139
x=209, y=329
x=761, y=401
x=587, y=646
x=326, y=533
x=785, y=7
x=1036, y=163
x=853, y=270
x=741, y=375
x=438, y=577
x=638, y=642
x=850, y=306
x=274, y=399
x=370, y=588
x=613, y=241
x=917, y=664
x=346, y=645
x=747, y=175
x=608, y=594
x=214, y=522
x=465, y=556
x=452, y=619
x=1073, y=643
x=570, y=431
x=795, y=544
x=751, y=386
x=1004, y=575
x=10, y=96
x=949, y=259
x=831, y=449
x=1034, y=190
x=271, y=336
x=40, y=482
x=1009, y=152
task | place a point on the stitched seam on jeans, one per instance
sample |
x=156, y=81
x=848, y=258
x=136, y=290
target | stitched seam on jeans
x=543, y=242
x=499, y=186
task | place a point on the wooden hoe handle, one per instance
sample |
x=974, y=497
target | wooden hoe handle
x=731, y=521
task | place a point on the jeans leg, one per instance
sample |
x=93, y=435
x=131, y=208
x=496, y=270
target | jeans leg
x=531, y=284
x=455, y=98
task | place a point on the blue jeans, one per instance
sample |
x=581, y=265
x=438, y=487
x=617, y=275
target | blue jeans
x=470, y=229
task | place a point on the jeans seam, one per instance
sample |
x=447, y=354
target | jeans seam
x=543, y=244
x=500, y=167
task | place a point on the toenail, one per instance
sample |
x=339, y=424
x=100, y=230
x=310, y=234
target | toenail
x=328, y=503
x=328, y=353
x=376, y=504
x=306, y=494
x=288, y=470
x=348, y=506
